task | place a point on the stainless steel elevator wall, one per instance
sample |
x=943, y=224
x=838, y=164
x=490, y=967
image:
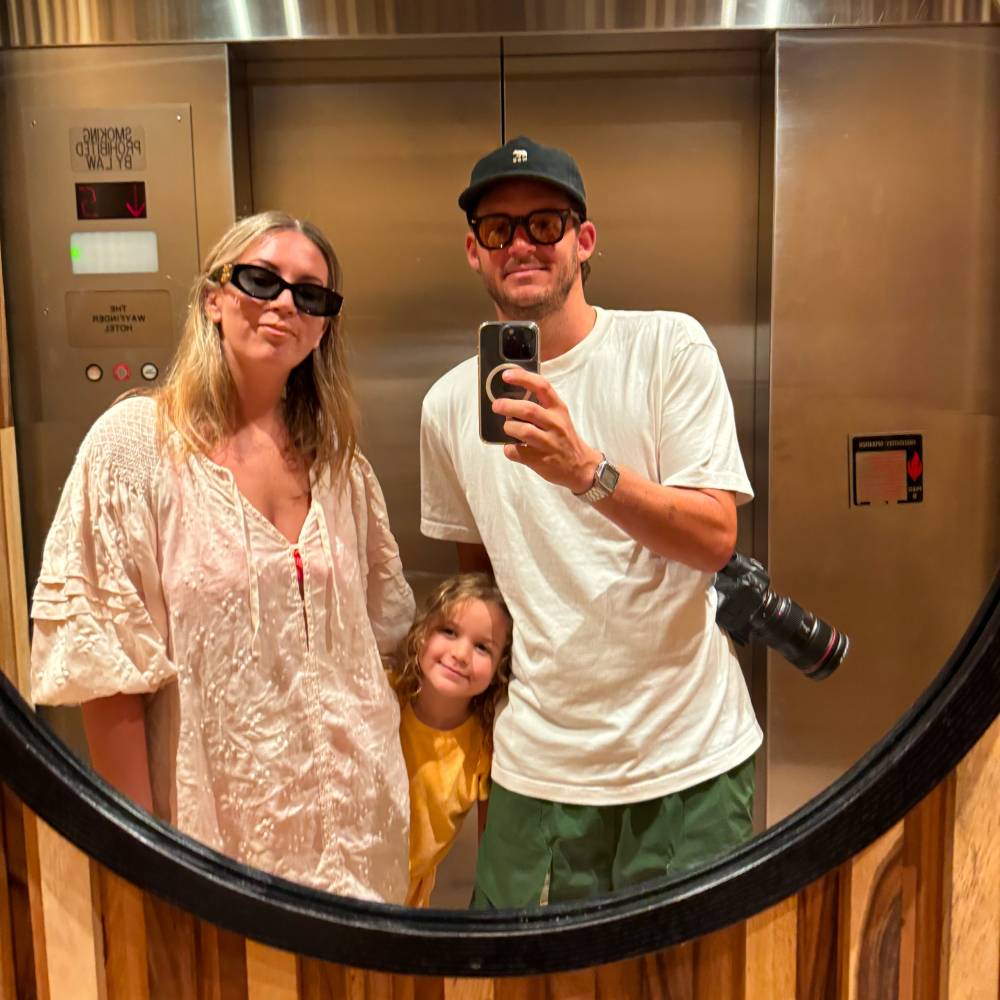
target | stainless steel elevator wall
x=190, y=192
x=376, y=152
x=669, y=147
x=883, y=320
x=378, y=157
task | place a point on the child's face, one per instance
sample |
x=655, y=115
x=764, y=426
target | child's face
x=462, y=652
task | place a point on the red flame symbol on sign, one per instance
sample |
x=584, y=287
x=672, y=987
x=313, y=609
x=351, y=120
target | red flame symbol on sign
x=914, y=466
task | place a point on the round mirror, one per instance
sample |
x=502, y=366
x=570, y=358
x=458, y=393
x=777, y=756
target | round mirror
x=757, y=205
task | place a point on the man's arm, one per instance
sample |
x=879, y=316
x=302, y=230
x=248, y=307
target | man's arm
x=696, y=527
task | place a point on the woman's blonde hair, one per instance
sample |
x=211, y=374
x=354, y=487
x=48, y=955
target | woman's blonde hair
x=438, y=608
x=198, y=397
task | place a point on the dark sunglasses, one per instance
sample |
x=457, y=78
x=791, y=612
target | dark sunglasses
x=261, y=283
x=544, y=226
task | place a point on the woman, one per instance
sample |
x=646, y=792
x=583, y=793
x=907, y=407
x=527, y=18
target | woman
x=220, y=579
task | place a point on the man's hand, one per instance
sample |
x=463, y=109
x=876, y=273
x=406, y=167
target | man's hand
x=552, y=448
x=693, y=526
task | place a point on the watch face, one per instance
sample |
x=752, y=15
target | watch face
x=607, y=475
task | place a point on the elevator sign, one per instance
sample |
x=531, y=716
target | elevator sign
x=104, y=148
x=887, y=468
x=119, y=319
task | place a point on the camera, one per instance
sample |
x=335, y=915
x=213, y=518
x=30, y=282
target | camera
x=517, y=343
x=749, y=608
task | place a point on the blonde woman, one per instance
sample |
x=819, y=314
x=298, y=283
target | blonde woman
x=220, y=580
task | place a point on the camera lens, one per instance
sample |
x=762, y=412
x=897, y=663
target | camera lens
x=806, y=641
x=517, y=343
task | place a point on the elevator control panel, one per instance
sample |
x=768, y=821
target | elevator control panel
x=113, y=243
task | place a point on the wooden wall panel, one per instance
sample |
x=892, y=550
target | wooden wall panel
x=769, y=962
x=6, y=406
x=171, y=950
x=670, y=973
x=870, y=920
x=719, y=961
x=460, y=989
x=924, y=849
x=18, y=896
x=271, y=974
x=65, y=916
x=124, y=923
x=816, y=939
x=7, y=977
x=971, y=953
x=14, y=651
x=620, y=979
x=520, y=988
x=222, y=964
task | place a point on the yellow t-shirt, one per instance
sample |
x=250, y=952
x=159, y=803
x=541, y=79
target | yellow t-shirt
x=449, y=772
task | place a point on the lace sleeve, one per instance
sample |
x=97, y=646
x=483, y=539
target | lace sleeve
x=98, y=606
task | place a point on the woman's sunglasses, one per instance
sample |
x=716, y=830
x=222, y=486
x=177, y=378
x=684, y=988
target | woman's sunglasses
x=544, y=227
x=261, y=283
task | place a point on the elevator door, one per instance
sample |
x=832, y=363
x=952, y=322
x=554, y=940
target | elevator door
x=377, y=152
x=669, y=147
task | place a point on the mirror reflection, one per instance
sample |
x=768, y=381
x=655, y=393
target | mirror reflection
x=435, y=669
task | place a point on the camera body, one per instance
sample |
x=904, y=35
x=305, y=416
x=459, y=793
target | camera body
x=503, y=345
x=748, y=608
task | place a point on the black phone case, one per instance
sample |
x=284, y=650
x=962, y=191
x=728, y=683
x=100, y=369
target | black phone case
x=491, y=364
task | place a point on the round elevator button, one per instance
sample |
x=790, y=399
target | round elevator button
x=149, y=371
x=94, y=373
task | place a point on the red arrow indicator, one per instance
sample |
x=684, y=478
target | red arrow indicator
x=914, y=467
x=138, y=210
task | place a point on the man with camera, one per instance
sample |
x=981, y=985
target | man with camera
x=625, y=751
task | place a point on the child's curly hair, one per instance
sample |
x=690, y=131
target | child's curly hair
x=438, y=607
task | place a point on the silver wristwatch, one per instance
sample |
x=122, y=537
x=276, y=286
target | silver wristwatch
x=605, y=481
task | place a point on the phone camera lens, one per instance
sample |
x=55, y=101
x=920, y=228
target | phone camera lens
x=516, y=343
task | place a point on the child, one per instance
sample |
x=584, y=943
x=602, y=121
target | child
x=454, y=668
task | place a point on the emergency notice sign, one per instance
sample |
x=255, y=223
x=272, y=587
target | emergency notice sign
x=887, y=468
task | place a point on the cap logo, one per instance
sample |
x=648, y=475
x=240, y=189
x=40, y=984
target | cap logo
x=520, y=156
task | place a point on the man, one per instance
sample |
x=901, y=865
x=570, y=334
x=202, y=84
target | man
x=625, y=749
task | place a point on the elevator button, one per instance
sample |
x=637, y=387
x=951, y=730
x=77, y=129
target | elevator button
x=149, y=371
x=122, y=373
x=94, y=373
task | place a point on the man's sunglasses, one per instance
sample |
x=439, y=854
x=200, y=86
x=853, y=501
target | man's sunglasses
x=544, y=226
x=261, y=283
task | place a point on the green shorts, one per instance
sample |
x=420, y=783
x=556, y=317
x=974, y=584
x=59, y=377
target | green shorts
x=535, y=852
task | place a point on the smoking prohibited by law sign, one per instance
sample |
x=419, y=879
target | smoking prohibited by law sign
x=887, y=468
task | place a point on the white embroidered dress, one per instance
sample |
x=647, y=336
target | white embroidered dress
x=273, y=734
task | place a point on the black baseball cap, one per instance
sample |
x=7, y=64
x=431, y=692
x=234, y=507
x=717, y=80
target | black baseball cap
x=524, y=158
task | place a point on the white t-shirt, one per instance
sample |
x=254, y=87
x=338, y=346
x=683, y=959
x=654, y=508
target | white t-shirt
x=624, y=688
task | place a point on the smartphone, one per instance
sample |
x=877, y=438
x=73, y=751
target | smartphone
x=512, y=344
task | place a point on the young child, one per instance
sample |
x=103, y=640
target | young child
x=453, y=670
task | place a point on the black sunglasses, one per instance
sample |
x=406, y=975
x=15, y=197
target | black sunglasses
x=262, y=283
x=544, y=226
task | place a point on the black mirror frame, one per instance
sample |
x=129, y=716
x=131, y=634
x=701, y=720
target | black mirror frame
x=926, y=744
